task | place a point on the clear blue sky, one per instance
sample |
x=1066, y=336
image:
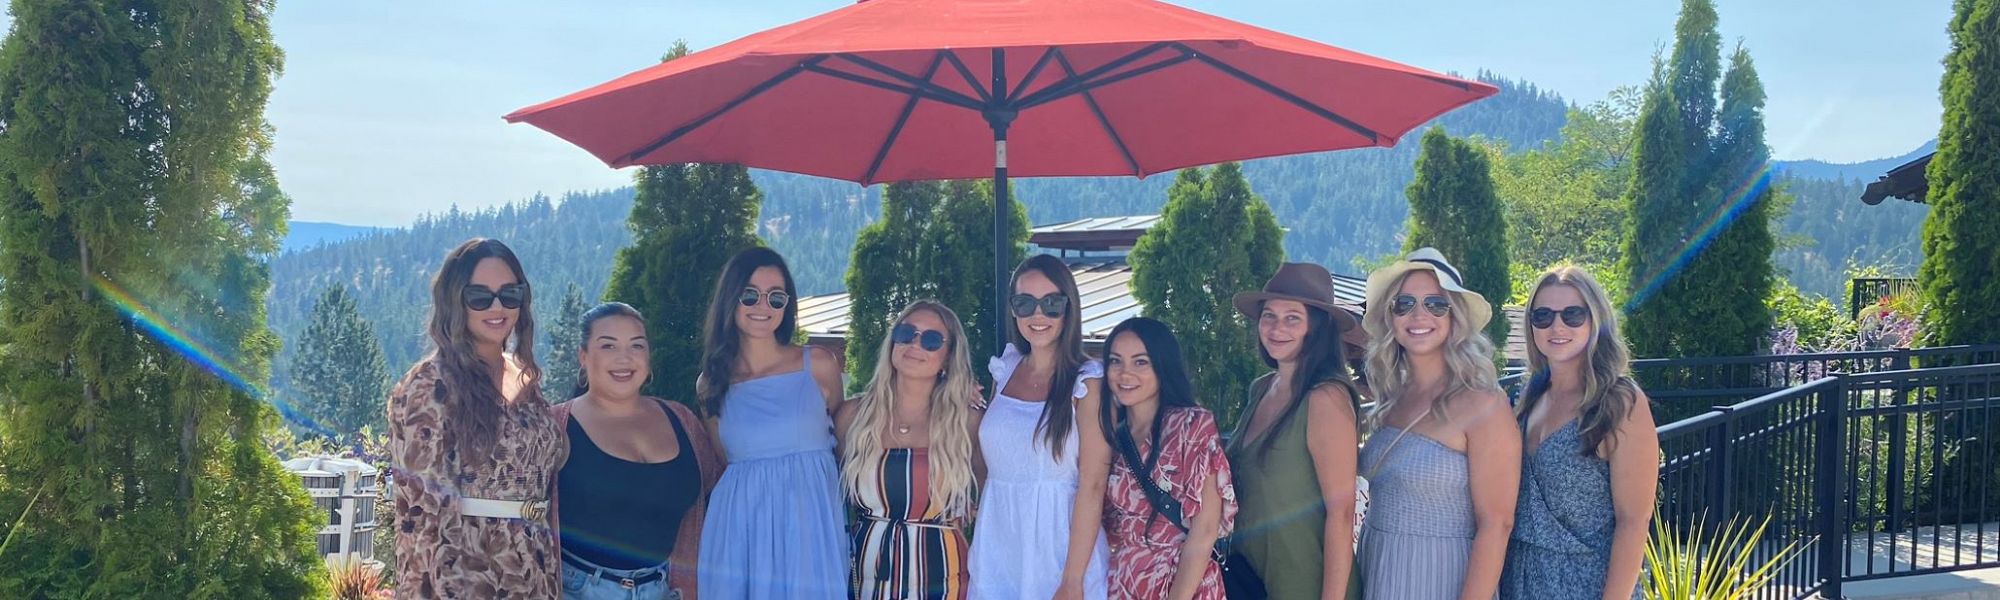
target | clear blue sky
x=388, y=110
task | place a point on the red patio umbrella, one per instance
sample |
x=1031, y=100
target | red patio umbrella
x=900, y=90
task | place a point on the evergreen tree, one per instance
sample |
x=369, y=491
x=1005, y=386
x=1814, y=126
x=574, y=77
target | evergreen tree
x=137, y=214
x=1653, y=225
x=687, y=221
x=932, y=236
x=1699, y=228
x=1961, y=237
x=1453, y=208
x=1733, y=272
x=339, y=374
x=1215, y=238
x=560, y=371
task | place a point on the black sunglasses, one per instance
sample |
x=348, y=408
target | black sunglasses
x=931, y=340
x=1438, y=306
x=1544, y=318
x=479, y=297
x=777, y=298
x=1053, y=305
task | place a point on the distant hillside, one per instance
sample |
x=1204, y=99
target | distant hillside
x=306, y=234
x=1864, y=171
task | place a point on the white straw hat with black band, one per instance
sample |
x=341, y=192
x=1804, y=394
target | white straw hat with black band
x=1476, y=308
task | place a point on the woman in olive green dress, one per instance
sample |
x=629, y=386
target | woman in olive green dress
x=1295, y=444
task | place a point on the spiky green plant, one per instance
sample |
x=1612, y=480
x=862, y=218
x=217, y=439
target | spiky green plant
x=1714, y=563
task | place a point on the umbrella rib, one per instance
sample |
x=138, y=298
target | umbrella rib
x=1062, y=88
x=970, y=81
x=923, y=84
x=1294, y=99
x=676, y=134
x=895, y=131
x=1091, y=101
x=956, y=99
x=1076, y=86
x=1036, y=71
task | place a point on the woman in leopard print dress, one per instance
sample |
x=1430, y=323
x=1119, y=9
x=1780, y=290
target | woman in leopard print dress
x=473, y=451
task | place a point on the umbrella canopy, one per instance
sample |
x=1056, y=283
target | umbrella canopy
x=1092, y=87
x=900, y=90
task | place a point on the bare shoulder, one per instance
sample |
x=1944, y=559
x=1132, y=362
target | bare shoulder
x=1487, y=411
x=824, y=363
x=1331, y=396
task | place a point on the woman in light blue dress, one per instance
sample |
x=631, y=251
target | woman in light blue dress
x=1444, y=462
x=775, y=527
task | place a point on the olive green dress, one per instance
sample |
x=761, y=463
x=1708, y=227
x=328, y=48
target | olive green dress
x=1280, y=520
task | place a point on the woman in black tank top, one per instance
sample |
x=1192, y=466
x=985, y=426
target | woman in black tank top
x=635, y=474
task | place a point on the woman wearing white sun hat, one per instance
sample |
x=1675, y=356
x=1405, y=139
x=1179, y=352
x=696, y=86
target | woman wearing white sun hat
x=1444, y=461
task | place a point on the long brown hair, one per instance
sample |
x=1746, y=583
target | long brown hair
x=1059, y=411
x=471, y=400
x=720, y=336
x=1608, y=389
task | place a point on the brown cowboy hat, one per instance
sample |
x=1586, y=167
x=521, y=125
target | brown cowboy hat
x=1311, y=285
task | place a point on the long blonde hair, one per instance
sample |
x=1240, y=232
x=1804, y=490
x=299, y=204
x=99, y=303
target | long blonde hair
x=1608, y=389
x=1468, y=355
x=950, y=453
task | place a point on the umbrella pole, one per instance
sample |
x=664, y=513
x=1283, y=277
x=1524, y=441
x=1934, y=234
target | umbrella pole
x=999, y=117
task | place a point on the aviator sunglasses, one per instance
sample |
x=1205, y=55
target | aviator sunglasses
x=1438, y=306
x=479, y=297
x=930, y=340
x=1544, y=318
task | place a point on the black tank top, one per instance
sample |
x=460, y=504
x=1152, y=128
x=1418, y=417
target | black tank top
x=621, y=514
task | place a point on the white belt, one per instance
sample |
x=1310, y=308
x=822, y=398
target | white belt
x=532, y=510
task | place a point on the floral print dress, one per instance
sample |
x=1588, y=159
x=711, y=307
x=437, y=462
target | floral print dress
x=1145, y=546
x=442, y=554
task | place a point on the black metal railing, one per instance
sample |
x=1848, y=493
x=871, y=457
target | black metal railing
x=1872, y=475
x=1685, y=387
x=1923, y=477
x=1752, y=460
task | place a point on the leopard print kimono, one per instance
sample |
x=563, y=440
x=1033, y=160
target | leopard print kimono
x=440, y=554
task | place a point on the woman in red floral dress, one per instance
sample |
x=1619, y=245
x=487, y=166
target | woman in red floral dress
x=1162, y=535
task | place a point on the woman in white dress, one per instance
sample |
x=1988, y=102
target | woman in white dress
x=1039, y=533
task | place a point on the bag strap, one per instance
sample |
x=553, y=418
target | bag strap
x=1400, y=432
x=1162, y=502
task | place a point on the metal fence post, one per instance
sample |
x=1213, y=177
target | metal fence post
x=1832, y=473
x=1719, y=472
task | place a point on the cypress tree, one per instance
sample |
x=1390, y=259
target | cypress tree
x=1215, y=238
x=687, y=221
x=137, y=216
x=1733, y=272
x=1960, y=274
x=339, y=374
x=1653, y=234
x=1697, y=264
x=1453, y=208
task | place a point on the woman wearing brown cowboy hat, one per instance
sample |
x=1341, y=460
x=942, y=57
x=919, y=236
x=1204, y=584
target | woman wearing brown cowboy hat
x=1444, y=459
x=1294, y=451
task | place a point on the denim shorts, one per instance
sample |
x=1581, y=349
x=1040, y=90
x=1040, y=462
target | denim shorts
x=600, y=583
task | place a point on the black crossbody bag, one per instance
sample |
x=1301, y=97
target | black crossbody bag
x=1239, y=580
